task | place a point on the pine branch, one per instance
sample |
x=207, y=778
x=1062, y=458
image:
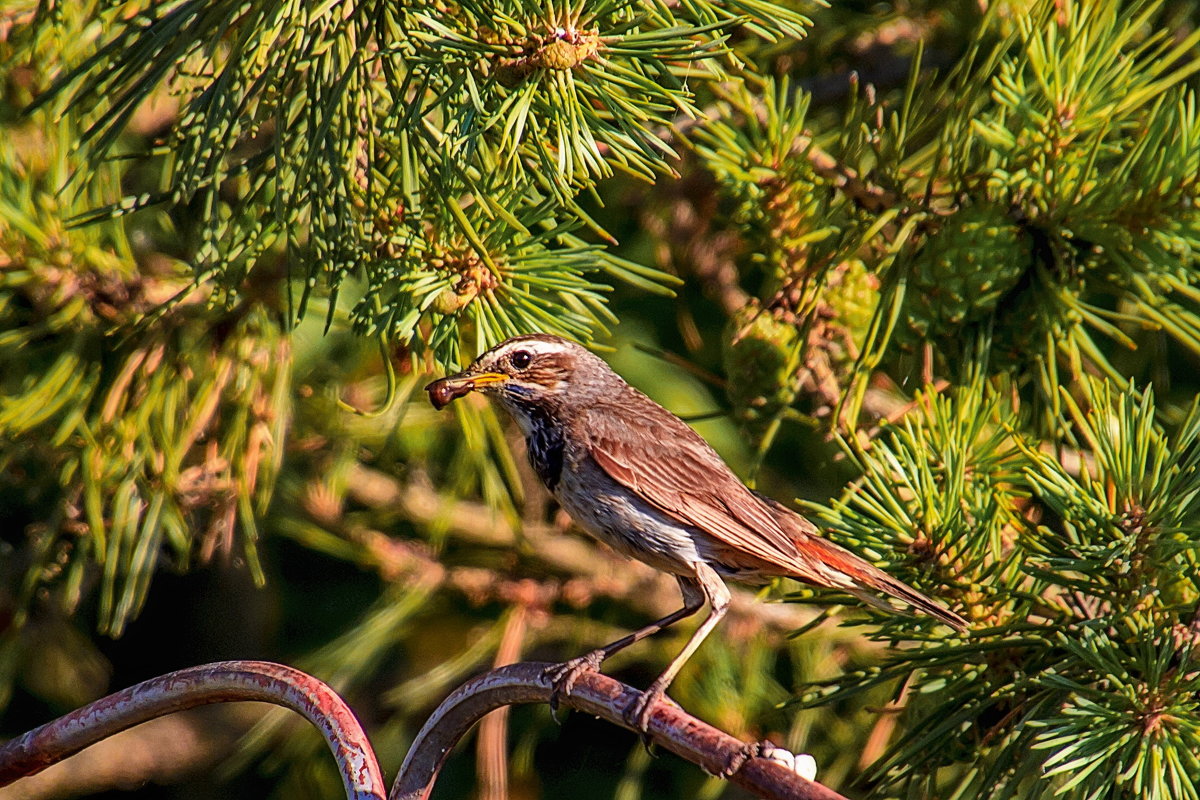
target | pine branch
x=742, y=105
x=439, y=150
x=1082, y=585
x=156, y=419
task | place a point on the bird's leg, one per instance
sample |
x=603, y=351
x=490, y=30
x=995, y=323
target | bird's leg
x=564, y=675
x=714, y=589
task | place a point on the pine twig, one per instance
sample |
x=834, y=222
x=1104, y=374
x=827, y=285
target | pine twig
x=860, y=190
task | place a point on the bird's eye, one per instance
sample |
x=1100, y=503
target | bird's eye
x=520, y=359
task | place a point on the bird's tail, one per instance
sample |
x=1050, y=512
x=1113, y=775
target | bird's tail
x=867, y=578
x=823, y=563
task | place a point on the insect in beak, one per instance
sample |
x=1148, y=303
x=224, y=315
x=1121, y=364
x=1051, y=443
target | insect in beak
x=445, y=390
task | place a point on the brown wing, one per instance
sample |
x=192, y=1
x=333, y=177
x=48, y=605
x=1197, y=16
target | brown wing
x=656, y=455
x=668, y=465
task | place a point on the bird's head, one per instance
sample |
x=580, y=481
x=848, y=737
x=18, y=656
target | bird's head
x=535, y=371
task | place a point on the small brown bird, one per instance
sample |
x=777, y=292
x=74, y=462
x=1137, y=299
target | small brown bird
x=636, y=477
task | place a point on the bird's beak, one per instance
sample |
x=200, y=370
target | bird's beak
x=445, y=390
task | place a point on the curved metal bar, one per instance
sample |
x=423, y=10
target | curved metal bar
x=222, y=682
x=713, y=750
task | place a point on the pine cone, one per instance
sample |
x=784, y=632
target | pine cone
x=761, y=358
x=851, y=292
x=963, y=270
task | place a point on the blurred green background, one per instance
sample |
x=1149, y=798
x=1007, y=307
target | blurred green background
x=214, y=444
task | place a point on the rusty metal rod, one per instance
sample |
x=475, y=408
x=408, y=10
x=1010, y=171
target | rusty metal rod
x=670, y=726
x=222, y=682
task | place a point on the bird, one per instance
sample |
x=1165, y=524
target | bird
x=638, y=478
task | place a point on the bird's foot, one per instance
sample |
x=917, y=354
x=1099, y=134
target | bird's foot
x=741, y=755
x=563, y=676
x=638, y=713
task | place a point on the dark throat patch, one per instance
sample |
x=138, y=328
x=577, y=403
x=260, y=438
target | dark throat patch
x=545, y=445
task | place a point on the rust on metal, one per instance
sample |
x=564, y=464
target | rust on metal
x=222, y=682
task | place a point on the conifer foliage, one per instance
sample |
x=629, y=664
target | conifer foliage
x=945, y=252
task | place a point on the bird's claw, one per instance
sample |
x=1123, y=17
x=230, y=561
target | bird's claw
x=638, y=713
x=741, y=755
x=563, y=676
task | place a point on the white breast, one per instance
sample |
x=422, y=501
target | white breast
x=609, y=512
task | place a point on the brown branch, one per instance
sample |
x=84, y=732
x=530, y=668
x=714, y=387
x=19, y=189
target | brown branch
x=221, y=682
x=596, y=694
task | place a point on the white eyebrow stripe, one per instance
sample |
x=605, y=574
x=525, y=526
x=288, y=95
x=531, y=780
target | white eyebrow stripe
x=534, y=346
